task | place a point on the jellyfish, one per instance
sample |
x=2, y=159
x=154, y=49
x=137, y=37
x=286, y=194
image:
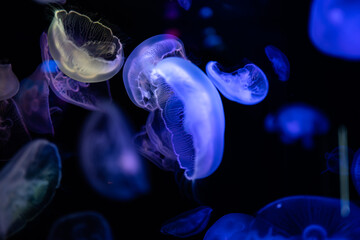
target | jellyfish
x=247, y=85
x=27, y=184
x=142, y=88
x=279, y=61
x=334, y=29
x=9, y=83
x=108, y=157
x=185, y=4
x=230, y=227
x=84, y=50
x=308, y=218
x=85, y=95
x=33, y=101
x=50, y=1
x=297, y=121
x=81, y=226
x=333, y=157
x=189, y=223
x=355, y=171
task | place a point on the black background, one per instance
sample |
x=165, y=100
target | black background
x=256, y=168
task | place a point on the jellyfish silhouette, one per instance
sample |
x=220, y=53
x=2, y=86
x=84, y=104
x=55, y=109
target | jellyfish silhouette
x=308, y=218
x=247, y=85
x=188, y=223
x=27, y=184
x=185, y=4
x=297, y=121
x=279, y=61
x=85, y=95
x=333, y=158
x=108, y=157
x=84, y=50
x=141, y=86
x=9, y=83
x=334, y=28
x=231, y=226
x=33, y=101
x=81, y=226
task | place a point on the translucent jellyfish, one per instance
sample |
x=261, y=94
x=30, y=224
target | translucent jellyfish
x=206, y=12
x=192, y=113
x=33, y=101
x=188, y=223
x=230, y=227
x=27, y=184
x=297, y=121
x=355, y=171
x=142, y=88
x=279, y=61
x=81, y=226
x=85, y=95
x=185, y=4
x=308, y=218
x=9, y=83
x=334, y=28
x=108, y=157
x=84, y=50
x=332, y=159
x=247, y=85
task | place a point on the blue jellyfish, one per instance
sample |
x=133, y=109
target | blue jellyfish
x=308, y=218
x=297, y=121
x=33, y=101
x=108, y=157
x=27, y=184
x=206, y=12
x=185, y=4
x=9, y=83
x=333, y=157
x=279, y=61
x=334, y=28
x=188, y=223
x=232, y=226
x=84, y=50
x=247, y=85
x=81, y=226
x=141, y=86
x=85, y=95
x=355, y=171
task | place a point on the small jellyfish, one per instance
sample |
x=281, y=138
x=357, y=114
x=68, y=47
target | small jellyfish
x=108, y=157
x=33, y=101
x=9, y=83
x=247, y=85
x=333, y=157
x=50, y=1
x=334, y=28
x=308, y=218
x=206, y=12
x=230, y=227
x=85, y=95
x=84, y=50
x=188, y=223
x=297, y=121
x=142, y=88
x=185, y=4
x=87, y=225
x=27, y=184
x=279, y=61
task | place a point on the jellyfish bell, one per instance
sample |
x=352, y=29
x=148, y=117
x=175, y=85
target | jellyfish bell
x=247, y=85
x=140, y=85
x=314, y=231
x=279, y=61
x=84, y=50
x=9, y=83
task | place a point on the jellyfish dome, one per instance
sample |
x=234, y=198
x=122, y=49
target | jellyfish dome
x=142, y=88
x=84, y=50
x=308, y=218
x=9, y=83
x=247, y=85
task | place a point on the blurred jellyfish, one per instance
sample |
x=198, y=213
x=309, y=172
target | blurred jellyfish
x=142, y=88
x=33, y=101
x=297, y=121
x=355, y=171
x=50, y=1
x=212, y=39
x=333, y=157
x=206, y=12
x=247, y=85
x=85, y=95
x=334, y=28
x=108, y=157
x=188, y=223
x=230, y=227
x=81, y=226
x=279, y=61
x=84, y=50
x=185, y=4
x=308, y=218
x=9, y=83
x=27, y=184
x=192, y=112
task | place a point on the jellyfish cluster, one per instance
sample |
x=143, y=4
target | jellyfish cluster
x=116, y=132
